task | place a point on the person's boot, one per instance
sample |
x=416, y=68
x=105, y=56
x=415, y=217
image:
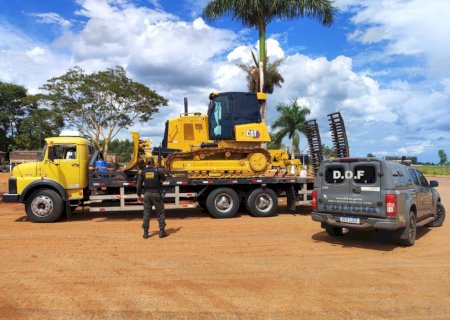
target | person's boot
x=162, y=233
x=145, y=236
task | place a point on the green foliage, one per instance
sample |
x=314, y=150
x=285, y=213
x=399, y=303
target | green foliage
x=291, y=122
x=259, y=13
x=122, y=147
x=434, y=170
x=442, y=157
x=13, y=108
x=41, y=123
x=328, y=152
x=272, y=77
x=101, y=104
x=272, y=145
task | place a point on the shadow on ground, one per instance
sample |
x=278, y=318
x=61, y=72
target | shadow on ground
x=374, y=240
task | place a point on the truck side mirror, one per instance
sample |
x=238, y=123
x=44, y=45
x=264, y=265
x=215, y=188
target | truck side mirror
x=433, y=184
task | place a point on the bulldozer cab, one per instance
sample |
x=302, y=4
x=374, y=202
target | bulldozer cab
x=228, y=109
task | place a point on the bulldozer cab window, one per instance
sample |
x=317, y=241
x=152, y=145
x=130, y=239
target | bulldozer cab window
x=220, y=122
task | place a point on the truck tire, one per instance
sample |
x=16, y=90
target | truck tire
x=44, y=206
x=222, y=203
x=334, y=231
x=407, y=236
x=440, y=216
x=262, y=202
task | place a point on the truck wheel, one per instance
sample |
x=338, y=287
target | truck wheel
x=262, y=202
x=44, y=206
x=334, y=231
x=223, y=203
x=440, y=216
x=407, y=236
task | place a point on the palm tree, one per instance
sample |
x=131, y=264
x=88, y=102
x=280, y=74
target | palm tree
x=272, y=75
x=259, y=13
x=291, y=122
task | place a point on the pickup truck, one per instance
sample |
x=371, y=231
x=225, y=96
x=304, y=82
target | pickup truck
x=375, y=194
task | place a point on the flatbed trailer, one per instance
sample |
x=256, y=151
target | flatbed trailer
x=116, y=191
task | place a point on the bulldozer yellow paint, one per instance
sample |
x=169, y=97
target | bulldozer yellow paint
x=187, y=132
x=227, y=142
x=141, y=152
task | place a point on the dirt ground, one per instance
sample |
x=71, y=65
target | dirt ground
x=98, y=266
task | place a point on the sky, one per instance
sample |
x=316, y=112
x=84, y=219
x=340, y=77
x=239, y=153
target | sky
x=382, y=63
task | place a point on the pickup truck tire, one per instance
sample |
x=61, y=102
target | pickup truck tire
x=440, y=216
x=222, y=203
x=334, y=231
x=44, y=206
x=262, y=202
x=407, y=236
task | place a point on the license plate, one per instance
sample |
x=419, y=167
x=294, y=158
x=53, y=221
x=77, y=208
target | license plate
x=349, y=220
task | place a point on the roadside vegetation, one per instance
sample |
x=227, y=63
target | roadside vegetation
x=433, y=170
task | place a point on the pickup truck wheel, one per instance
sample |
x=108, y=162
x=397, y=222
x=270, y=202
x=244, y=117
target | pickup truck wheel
x=334, y=231
x=407, y=236
x=44, y=206
x=262, y=202
x=223, y=203
x=440, y=216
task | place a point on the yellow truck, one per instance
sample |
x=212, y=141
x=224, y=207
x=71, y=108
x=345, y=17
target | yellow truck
x=220, y=168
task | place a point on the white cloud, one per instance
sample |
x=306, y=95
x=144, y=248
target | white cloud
x=156, y=46
x=26, y=62
x=391, y=138
x=416, y=148
x=242, y=54
x=52, y=18
x=35, y=52
x=414, y=27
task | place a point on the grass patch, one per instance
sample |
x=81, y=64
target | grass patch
x=433, y=170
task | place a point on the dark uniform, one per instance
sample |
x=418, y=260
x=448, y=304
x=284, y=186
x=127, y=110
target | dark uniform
x=149, y=183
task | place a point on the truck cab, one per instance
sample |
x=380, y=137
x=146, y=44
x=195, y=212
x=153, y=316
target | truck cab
x=59, y=179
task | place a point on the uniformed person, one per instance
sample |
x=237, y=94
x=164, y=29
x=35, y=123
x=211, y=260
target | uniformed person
x=149, y=183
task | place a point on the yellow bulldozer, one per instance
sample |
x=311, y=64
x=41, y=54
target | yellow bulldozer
x=224, y=143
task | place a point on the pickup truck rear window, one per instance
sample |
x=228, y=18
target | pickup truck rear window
x=364, y=174
x=334, y=174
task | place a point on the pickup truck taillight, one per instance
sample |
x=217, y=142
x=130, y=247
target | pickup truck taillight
x=314, y=200
x=391, y=205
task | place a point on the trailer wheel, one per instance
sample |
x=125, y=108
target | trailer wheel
x=262, y=202
x=223, y=203
x=44, y=206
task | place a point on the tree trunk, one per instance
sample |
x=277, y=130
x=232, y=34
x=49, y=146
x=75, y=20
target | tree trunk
x=293, y=150
x=262, y=60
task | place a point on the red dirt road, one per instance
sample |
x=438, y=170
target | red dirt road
x=283, y=267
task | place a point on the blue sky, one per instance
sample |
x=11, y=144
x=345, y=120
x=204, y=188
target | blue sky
x=383, y=63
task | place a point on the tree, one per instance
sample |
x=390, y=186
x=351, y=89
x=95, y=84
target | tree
x=442, y=157
x=328, y=152
x=259, y=13
x=272, y=145
x=370, y=155
x=291, y=122
x=101, y=104
x=33, y=130
x=272, y=76
x=122, y=147
x=13, y=108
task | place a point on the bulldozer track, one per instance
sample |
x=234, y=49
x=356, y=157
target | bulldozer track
x=208, y=153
